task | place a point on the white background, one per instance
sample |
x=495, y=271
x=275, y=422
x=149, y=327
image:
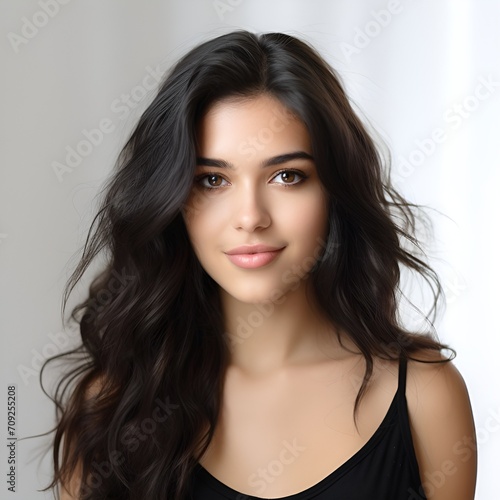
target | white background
x=411, y=71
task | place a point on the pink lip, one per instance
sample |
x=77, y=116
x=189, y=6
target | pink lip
x=251, y=257
x=247, y=249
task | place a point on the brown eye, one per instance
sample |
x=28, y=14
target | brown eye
x=214, y=180
x=288, y=177
x=210, y=181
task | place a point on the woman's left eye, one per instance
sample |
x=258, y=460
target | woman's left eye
x=210, y=181
x=290, y=177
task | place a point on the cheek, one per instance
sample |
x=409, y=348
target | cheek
x=197, y=234
x=203, y=226
x=314, y=224
x=309, y=217
x=315, y=230
x=193, y=227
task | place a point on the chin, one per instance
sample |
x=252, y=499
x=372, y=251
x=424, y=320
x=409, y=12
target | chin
x=253, y=296
x=272, y=296
x=250, y=298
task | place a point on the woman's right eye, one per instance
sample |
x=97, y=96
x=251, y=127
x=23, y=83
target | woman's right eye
x=210, y=181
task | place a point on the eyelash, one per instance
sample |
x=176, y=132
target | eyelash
x=200, y=178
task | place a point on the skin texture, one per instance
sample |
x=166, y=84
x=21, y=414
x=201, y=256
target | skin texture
x=289, y=379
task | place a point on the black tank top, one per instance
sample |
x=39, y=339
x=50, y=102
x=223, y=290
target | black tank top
x=385, y=468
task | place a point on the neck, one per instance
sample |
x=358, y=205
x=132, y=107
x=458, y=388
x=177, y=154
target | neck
x=272, y=336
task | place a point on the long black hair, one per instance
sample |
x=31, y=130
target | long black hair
x=139, y=408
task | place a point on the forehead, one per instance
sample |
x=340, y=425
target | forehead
x=257, y=126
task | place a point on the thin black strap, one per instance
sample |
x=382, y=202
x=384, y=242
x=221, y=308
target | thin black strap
x=402, y=376
x=404, y=418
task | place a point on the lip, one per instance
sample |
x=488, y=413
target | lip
x=254, y=256
x=250, y=249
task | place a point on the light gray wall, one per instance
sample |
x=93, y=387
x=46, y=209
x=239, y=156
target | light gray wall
x=417, y=70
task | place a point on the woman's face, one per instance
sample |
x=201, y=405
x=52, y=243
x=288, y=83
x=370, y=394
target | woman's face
x=255, y=184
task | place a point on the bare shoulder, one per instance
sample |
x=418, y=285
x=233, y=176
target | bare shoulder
x=442, y=427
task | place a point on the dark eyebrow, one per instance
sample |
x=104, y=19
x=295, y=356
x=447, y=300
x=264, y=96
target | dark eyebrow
x=275, y=160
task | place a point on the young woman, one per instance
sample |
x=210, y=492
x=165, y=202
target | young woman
x=244, y=338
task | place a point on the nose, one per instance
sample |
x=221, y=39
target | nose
x=250, y=210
